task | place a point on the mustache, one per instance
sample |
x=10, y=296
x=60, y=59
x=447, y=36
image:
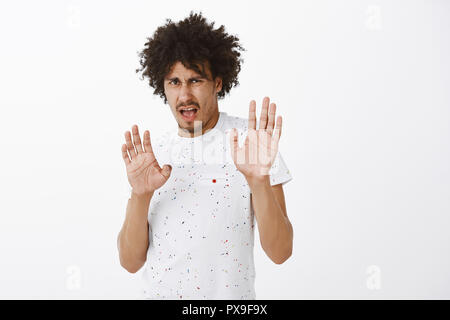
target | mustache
x=190, y=103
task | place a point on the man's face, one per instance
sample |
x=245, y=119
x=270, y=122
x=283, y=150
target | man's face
x=184, y=88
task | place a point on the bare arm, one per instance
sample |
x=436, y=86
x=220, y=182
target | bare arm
x=133, y=239
x=145, y=176
x=254, y=160
x=275, y=229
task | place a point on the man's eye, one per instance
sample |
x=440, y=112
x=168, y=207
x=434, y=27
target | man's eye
x=176, y=81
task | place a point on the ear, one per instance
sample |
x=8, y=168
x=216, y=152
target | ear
x=218, y=84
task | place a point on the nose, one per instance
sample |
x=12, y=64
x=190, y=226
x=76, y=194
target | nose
x=185, y=92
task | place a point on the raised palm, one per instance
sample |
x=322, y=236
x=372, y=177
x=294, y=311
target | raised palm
x=255, y=158
x=143, y=171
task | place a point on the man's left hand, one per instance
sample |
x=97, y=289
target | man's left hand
x=255, y=158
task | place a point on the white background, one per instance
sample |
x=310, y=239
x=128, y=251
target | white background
x=363, y=88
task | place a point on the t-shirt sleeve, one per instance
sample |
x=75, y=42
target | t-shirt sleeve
x=279, y=172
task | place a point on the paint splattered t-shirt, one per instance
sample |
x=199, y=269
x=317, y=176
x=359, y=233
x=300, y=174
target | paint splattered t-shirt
x=201, y=221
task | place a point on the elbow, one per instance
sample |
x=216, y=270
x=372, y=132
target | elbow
x=132, y=268
x=279, y=253
x=282, y=259
x=280, y=256
x=131, y=263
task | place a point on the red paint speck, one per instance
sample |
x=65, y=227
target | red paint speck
x=198, y=288
x=214, y=180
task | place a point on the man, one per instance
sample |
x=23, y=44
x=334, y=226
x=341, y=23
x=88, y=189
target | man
x=191, y=221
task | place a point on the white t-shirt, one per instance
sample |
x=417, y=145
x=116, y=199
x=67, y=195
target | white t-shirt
x=201, y=221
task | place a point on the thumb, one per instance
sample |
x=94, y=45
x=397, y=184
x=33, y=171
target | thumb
x=166, y=170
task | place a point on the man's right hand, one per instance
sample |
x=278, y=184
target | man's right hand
x=143, y=171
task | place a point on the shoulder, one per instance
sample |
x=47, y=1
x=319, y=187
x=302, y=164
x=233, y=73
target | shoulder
x=232, y=121
x=160, y=139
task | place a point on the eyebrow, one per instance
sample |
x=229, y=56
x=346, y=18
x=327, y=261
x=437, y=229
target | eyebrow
x=192, y=78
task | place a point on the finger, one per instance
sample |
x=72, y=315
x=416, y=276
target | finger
x=252, y=146
x=271, y=123
x=281, y=126
x=147, y=142
x=166, y=170
x=137, y=139
x=252, y=115
x=246, y=141
x=277, y=132
x=125, y=154
x=263, y=117
x=130, y=145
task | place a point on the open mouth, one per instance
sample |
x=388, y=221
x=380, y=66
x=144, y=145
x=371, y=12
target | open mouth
x=189, y=114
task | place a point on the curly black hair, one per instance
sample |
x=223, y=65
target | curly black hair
x=191, y=41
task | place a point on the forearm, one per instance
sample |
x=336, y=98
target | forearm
x=275, y=229
x=133, y=237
